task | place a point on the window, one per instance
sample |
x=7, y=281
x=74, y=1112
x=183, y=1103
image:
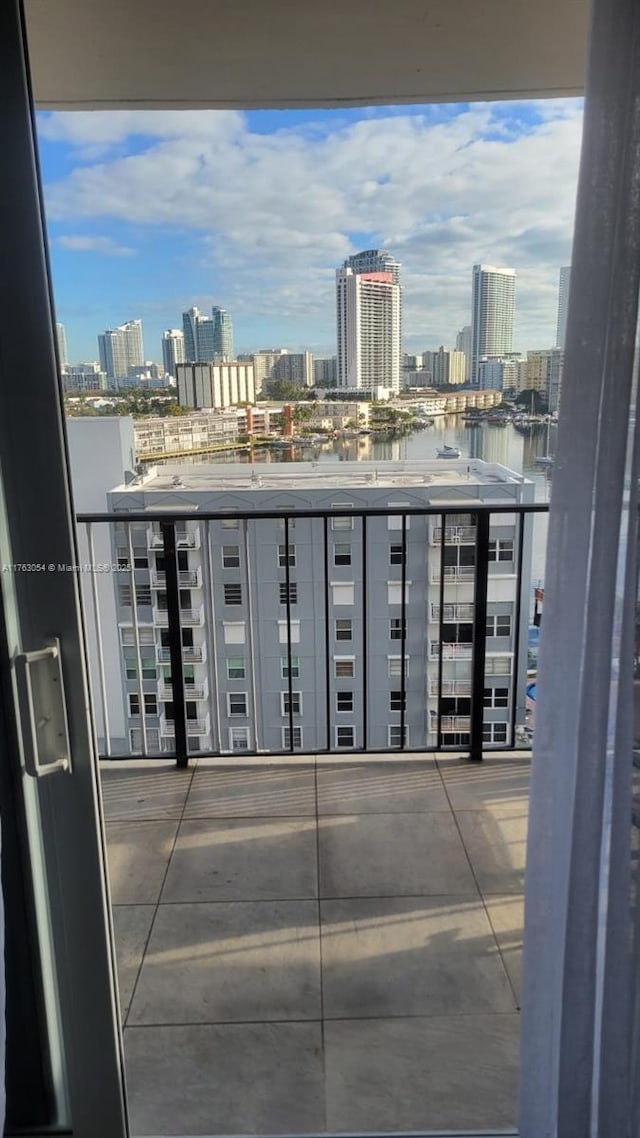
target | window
x=292, y=523
x=496, y=697
x=343, y=594
x=394, y=592
x=395, y=555
x=293, y=592
x=294, y=626
x=494, y=733
x=295, y=667
x=397, y=701
x=397, y=628
x=282, y=556
x=455, y=739
x=341, y=522
x=231, y=556
x=345, y=736
x=455, y=705
x=394, y=521
x=344, y=630
x=237, y=703
x=150, y=704
x=229, y=523
x=395, y=666
x=499, y=625
x=233, y=594
x=143, y=595
x=286, y=738
x=398, y=736
x=146, y=636
x=461, y=633
x=187, y=638
x=501, y=550
x=344, y=701
x=342, y=553
x=233, y=631
x=140, y=561
x=345, y=666
x=147, y=668
x=137, y=742
x=239, y=738
x=235, y=668
x=497, y=666
x=296, y=702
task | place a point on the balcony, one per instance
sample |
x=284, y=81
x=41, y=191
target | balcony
x=453, y=574
x=449, y=687
x=452, y=613
x=410, y=870
x=194, y=727
x=199, y=690
x=450, y=722
x=185, y=539
x=450, y=651
x=453, y=535
x=188, y=617
x=196, y=654
x=187, y=579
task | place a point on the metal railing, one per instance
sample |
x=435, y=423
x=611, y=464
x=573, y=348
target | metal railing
x=272, y=667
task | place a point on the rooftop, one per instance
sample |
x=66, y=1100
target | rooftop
x=318, y=945
x=297, y=476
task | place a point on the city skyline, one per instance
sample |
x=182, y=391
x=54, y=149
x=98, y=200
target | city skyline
x=150, y=213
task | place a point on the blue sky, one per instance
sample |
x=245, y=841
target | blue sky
x=151, y=212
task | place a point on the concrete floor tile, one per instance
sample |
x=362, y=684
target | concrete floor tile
x=252, y=792
x=138, y=854
x=402, y=956
x=384, y=788
x=144, y=789
x=381, y=855
x=497, y=847
x=498, y=783
x=422, y=1074
x=507, y=919
x=211, y=963
x=232, y=1079
x=249, y=859
x=131, y=925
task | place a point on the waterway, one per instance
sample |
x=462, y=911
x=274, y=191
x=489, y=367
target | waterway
x=504, y=445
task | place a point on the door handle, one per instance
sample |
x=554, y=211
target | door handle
x=45, y=731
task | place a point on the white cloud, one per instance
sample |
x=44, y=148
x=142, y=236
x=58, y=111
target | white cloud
x=276, y=213
x=94, y=243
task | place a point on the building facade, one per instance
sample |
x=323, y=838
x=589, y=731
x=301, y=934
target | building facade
x=493, y=307
x=294, y=367
x=204, y=385
x=463, y=344
x=172, y=350
x=119, y=349
x=368, y=307
x=222, y=333
x=325, y=371
x=267, y=629
x=61, y=338
x=77, y=378
x=543, y=373
x=563, y=304
x=445, y=366
x=199, y=337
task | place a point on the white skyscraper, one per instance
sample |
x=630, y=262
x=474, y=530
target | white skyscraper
x=463, y=344
x=369, y=316
x=172, y=349
x=121, y=348
x=61, y=336
x=563, y=302
x=492, y=310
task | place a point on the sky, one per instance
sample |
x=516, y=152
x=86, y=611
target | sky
x=150, y=212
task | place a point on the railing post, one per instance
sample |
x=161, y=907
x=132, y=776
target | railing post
x=443, y=523
x=403, y=633
x=287, y=579
x=479, y=634
x=175, y=641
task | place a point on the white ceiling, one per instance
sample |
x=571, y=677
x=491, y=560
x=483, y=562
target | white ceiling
x=253, y=53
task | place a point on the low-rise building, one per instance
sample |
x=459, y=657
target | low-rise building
x=217, y=385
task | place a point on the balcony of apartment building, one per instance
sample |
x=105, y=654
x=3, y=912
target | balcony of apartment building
x=327, y=940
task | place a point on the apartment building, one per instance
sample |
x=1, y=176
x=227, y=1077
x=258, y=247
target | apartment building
x=321, y=605
x=203, y=385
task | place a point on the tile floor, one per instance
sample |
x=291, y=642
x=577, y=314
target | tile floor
x=318, y=945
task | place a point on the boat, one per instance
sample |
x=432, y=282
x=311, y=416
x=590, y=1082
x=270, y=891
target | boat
x=448, y=452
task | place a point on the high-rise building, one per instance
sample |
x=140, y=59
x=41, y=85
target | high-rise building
x=172, y=349
x=369, y=321
x=119, y=349
x=563, y=303
x=199, y=337
x=492, y=311
x=204, y=385
x=445, y=366
x=325, y=371
x=264, y=363
x=463, y=344
x=543, y=373
x=294, y=367
x=61, y=336
x=222, y=333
